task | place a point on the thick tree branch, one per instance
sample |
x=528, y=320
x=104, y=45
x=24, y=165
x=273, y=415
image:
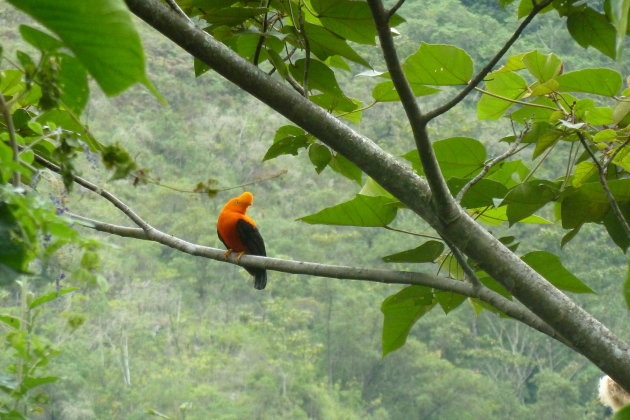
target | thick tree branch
x=493, y=62
x=442, y=198
x=8, y=120
x=586, y=335
x=602, y=170
x=513, y=309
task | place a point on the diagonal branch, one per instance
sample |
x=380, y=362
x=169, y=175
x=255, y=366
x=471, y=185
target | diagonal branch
x=442, y=198
x=488, y=68
x=602, y=170
x=511, y=308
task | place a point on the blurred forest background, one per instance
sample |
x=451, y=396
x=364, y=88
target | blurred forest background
x=190, y=338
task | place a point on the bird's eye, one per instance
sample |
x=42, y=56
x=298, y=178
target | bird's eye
x=237, y=202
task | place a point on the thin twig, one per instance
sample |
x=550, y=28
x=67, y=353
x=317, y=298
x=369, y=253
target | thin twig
x=487, y=166
x=516, y=101
x=8, y=120
x=307, y=49
x=103, y=193
x=173, y=4
x=488, y=68
x=468, y=271
x=603, y=170
x=391, y=12
x=437, y=238
x=261, y=39
x=511, y=308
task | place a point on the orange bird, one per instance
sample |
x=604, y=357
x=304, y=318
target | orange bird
x=239, y=233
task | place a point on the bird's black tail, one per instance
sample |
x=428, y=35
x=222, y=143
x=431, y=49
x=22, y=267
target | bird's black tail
x=260, y=279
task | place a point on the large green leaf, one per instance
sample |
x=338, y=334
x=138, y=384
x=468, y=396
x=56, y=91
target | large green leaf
x=498, y=216
x=350, y=19
x=591, y=29
x=385, y=91
x=460, y=157
x=101, y=35
x=549, y=266
x=324, y=44
x=345, y=167
x=603, y=82
x=232, y=16
x=506, y=85
x=362, y=210
x=427, y=252
x=437, y=64
x=510, y=173
x=542, y=66
x=523, y=200
x=615, y=229
x=320, y=76
x=401, y=311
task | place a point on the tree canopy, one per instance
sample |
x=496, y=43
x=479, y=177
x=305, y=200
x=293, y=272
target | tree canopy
x=560, y=155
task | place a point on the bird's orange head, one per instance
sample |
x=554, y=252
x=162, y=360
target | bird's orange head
x=239, y=204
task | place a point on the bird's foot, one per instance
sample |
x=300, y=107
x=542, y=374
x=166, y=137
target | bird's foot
x=226, y=253
x=238, y=256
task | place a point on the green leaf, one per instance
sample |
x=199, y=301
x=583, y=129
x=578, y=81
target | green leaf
x=498, y=216
x=320, y=76
x=74, y=83
x=461, y=157
x=569, y=236
x=51, y=296
x=626, y=286
x=437, y=64
x=549, y=266
x=603, y=82
x=510, y=173
x=591, y=29
x=513, y=63
x=351, y=20
x=449, y=300
x=615, y=229
x=345, y=167
x=287, y=141
x=508, y=85
x=31, y=382
x=232, y=16
x=373, y=189
x=101, y=35
x=40, y=40
x=623, y=414
x=427, y=252
x=524, y=199
x=11, y=321
x=401, y=311
x=542, y=66
x=319, y=155
x=583, y=172
x=324, y=44
x=360, y=211
x=482, y=193
x=385, y=91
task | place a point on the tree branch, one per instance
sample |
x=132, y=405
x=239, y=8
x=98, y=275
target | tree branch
x=602, y=171
x=587, y=335
x=442, y=197
x=8, y=120
x=488, y=68
x=513, y=309
x=173, y=5
x=103, y=193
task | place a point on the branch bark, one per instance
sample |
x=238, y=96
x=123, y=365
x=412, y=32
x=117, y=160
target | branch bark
x=8, y=120
x=513, y=309
x=586, y=335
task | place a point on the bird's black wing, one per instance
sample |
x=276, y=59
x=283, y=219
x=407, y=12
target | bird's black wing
x=251, y=238
x=254, y=244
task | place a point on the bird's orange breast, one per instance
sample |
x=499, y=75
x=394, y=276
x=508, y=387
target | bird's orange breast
x=226, y=227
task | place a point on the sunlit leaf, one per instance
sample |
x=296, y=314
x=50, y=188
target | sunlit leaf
x=437, y=64
x=603, y=82
x=427, y=252
x=507, y=85
x=542, y=66
x=360, y=211
x=549, y=266
x=401, y=311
